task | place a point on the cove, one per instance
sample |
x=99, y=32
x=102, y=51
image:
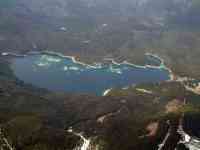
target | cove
x=58, y=73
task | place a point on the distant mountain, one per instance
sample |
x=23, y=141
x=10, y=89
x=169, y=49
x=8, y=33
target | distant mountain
x=62, y=8
x=179, y=10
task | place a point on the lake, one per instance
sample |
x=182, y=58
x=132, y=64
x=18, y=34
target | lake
x=57, y=73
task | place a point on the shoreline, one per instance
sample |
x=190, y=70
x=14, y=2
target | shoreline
x=105, y=93
x=95, y=65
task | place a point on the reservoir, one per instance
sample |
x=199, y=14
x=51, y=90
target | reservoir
x=59, y=73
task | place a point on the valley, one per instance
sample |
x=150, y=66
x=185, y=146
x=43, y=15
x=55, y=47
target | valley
x=99, y=74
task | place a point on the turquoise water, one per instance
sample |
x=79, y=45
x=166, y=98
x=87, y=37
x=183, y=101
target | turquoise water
x=63, y=74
